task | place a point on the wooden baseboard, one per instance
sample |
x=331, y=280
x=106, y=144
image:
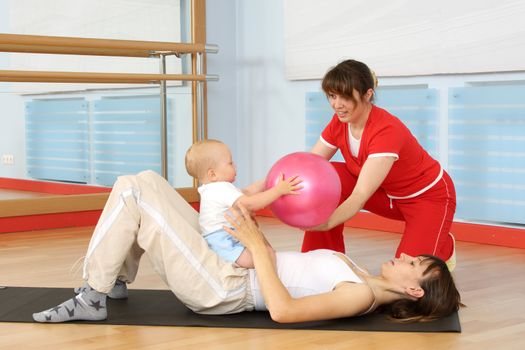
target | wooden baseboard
x=53, y=204
x=70, y=205
x=49, y=221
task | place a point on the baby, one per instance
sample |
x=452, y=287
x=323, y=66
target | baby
x=210, y=161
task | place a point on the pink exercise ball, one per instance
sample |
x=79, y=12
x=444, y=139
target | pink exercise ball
x=319, y=196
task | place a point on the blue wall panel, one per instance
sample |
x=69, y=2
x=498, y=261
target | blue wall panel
x=487, y=152
x=94, y=141
x=486, y=144
x=57, y=139
x=126, y=136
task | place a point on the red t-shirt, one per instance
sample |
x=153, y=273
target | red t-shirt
x=412, y=173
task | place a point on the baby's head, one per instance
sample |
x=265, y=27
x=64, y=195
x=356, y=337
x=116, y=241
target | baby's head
x=210, y=161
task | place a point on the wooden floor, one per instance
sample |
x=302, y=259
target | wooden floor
x=491, y=280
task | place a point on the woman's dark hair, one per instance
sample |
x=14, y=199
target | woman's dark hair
x=347, y=76
x=441, y=297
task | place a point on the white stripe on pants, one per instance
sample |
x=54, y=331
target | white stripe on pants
x=144, y=214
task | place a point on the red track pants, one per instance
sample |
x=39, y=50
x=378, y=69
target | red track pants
x=428, y=218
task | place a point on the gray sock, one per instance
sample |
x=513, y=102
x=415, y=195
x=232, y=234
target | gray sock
x=119, y=290
x=89, y=305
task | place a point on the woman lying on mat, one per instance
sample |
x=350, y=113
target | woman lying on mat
x=144, y=214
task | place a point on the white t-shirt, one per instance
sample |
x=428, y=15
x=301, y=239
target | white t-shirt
x=355, y=144
x=315, y=272
x=216, y=198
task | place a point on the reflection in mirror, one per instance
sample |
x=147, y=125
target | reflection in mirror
x=92, y=133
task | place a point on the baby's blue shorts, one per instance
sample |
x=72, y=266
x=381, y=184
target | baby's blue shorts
x=226, y=246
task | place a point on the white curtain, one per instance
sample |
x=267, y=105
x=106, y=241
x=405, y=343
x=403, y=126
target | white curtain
x=404, y=37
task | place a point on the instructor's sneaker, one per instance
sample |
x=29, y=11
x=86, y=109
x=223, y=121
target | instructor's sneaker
x=451, y=262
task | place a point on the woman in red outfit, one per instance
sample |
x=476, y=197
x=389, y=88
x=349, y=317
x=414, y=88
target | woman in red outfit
x=386, y=171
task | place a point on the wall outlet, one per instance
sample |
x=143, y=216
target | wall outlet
x=8, y=159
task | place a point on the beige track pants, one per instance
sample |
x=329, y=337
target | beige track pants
x=144, y=214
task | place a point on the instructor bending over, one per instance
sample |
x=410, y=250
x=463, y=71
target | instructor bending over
x=385, y=170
